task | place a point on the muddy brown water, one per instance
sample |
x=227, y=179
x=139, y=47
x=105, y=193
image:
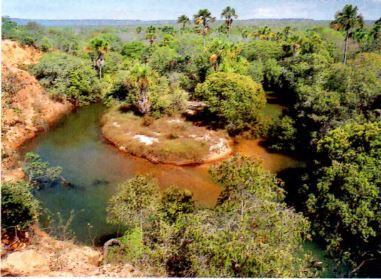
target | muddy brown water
x=95, y=168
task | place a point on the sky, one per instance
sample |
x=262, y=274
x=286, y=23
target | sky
x=171, y=9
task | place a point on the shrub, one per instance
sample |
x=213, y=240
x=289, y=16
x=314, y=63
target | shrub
x=136, y=200
x=235, y=99
x=39, y=173
x=68, y=76
x=282, y=135
x=133, y=49
x=262, y=50
x=45, y=45
x=163, y=59
x=18, y=206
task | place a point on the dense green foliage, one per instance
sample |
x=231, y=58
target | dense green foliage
x=19, y=208
x=183, y=240
x=236, y=99
x=345, y=199
x=68, y=77
x=331, y=119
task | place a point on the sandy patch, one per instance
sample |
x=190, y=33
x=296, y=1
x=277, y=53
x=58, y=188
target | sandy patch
x=146, y=140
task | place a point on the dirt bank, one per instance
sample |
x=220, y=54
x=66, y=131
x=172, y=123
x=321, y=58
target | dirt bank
x=27, y=108
x=46, y=256
x=169, y=140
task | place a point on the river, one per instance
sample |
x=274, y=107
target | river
x=95, y=168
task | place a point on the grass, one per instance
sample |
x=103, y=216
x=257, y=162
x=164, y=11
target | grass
x=176, y=141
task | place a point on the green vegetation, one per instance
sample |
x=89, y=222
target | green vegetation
x=181, y=239
x=68, y=77
x=19, y=209
x=328, y=78
x=235, y=99
x=39, y=173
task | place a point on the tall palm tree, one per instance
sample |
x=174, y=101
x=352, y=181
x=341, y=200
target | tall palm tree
x=183, y=20
x=99, y=47
x=264, y=33
x=203, y=17
x=347, y=20
x=140, y=74
x=151, y=34
x=229, y=13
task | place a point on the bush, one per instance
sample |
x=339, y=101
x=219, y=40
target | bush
x=133, y=50
x=45, y=45
x=235, y=99
x=39, y=173
x=163, y=59
x=262, y=50
x=282, y=135
x=167, y=100
x=68, y=76
x=18, y=206
x=344, y=201
x=250, y=233
x=255, y=71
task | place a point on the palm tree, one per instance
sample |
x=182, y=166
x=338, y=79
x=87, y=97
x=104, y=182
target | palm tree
x=229, y=13
x=347, y=20
x=100, y=46
x=140, y=74
x=151, y=34
x=183, y=20
x=203, y=17
x=264, y=33
x=245, y=32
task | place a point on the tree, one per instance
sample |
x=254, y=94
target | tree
x=140, y=74
x=101, y=46
x=235, y=99
x=139, y=29
x=39, y=173
x=45, y=45
x=134, y=202
x=229, y=13
x=264, y=33
x=174, y=202
x=163, y=59
x=151, y=34
x=347, y=20
x=250, y=233
x=203, y=17
x=183, y=20
x=68, y=77
x=245, y=32
x=8, y=28
x=344, y=203
x=133, y=49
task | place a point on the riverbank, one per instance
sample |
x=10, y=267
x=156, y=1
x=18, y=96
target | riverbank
x=169, y=140
x=46, y=256
x=27, y=109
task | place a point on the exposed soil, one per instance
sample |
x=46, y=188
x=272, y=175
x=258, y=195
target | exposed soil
x=170, y=140
x=27, y=108
x=46, y=256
